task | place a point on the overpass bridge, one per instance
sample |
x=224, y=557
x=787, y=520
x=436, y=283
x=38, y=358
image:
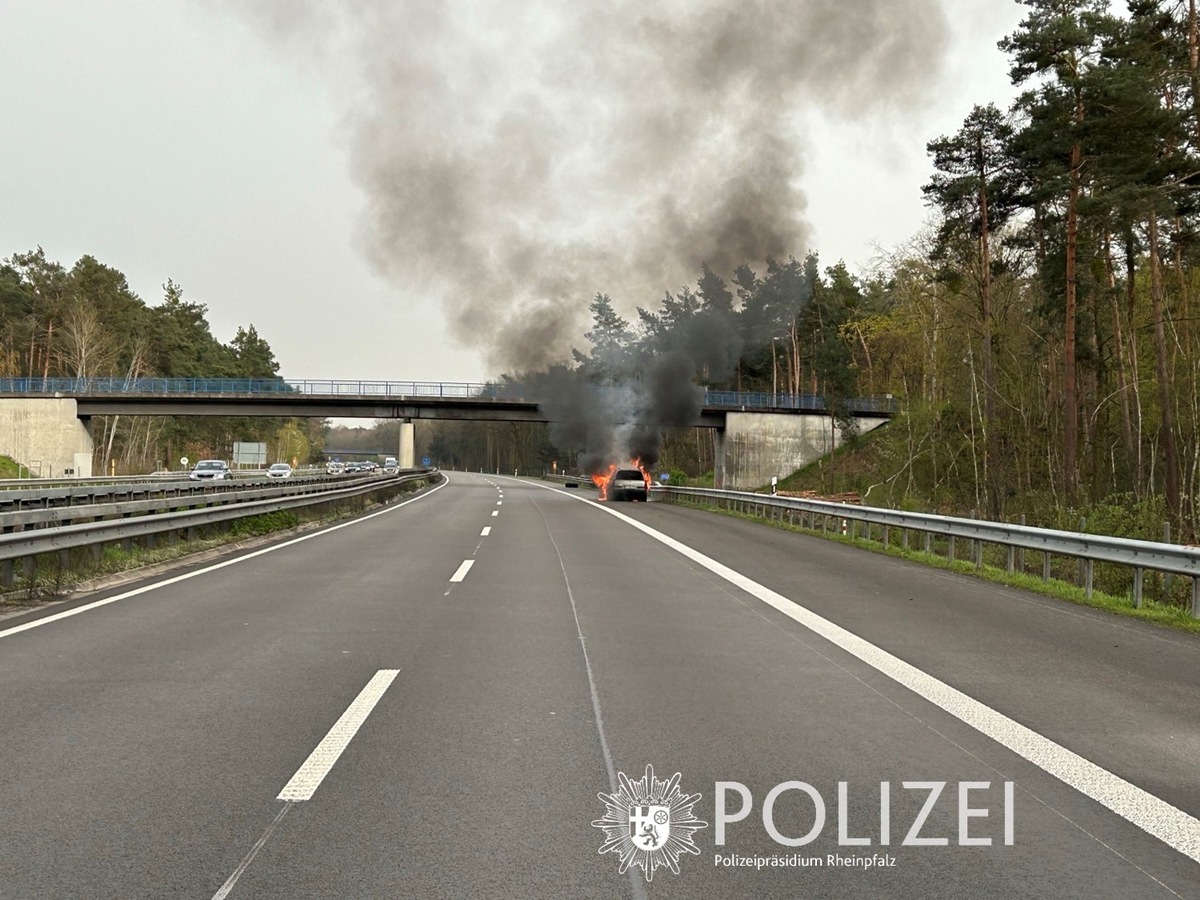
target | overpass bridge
x=488, y=402
x=758, y=434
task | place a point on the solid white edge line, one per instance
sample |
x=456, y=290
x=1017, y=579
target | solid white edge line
x=1153, y=815
x=487, y=529
x=86, y=607
x=462, y=571
x=314, y=769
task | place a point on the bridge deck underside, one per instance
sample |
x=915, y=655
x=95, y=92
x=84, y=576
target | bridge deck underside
x=344, y=406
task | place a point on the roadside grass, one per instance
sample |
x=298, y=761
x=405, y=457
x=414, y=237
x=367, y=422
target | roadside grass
x=10, y=468
x=54, y=574
x=1166, y=614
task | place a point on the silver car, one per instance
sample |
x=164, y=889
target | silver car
x=279, y=470
x=628, y=484
x=210, y=470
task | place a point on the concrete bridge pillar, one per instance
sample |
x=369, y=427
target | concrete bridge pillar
x=45, y=435
x=755, y=446
x=407, y=452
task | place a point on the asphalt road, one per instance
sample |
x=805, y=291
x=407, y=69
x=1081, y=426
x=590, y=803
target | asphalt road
x=439, y=709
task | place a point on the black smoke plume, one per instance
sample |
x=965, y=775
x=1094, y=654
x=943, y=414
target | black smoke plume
x=518, y=157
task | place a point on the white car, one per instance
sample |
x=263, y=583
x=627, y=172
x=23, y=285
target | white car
x=210, y=470
x=279, y=470
x=628, y=484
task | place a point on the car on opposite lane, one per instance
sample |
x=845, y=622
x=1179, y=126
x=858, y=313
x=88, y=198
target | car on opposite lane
x=210, y=470
x=279, y=470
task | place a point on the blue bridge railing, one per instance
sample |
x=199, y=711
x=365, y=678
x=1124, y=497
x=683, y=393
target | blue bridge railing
x=419, y=390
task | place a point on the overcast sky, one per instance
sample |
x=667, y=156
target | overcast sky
x=178, y=139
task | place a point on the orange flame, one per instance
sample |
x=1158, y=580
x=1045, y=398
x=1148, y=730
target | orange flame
x=604, y=481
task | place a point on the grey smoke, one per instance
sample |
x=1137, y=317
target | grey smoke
x=517, y=158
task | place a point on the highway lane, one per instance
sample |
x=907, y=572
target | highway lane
x=146, y=741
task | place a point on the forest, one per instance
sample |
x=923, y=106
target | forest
x=86, y=322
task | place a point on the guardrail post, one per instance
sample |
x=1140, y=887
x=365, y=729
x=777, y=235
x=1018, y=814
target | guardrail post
x=1021, y=552
x=1010, y=561
x=928, y=542
x=1137, y=587
x=904, y=538
x=1167, y=576
x=7, y=577
x=886, y=536
x=1196, y=596
x=1045, y=566
x=1088, y=567
x=978, y=553
x=950, y=553
x=1082, y=561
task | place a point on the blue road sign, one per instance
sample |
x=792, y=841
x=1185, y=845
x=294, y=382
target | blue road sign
x=426, y=461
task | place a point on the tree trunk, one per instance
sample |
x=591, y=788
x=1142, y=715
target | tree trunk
x=1123, y=379
x=991, y=435
x=1194, y=65
x=1070, y=400
x=1166, y=399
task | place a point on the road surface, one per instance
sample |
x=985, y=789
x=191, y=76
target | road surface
x=427, y=701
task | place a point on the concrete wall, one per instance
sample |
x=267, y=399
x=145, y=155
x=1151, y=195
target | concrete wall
x=756, y=446
x=46, y=435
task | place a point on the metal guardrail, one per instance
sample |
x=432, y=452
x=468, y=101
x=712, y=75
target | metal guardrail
x=30, y=543
x=1089, y=548
x=130, y=501
x=418, y=390
x=66, y=494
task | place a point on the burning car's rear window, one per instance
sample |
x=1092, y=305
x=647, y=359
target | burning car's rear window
x=628, y=475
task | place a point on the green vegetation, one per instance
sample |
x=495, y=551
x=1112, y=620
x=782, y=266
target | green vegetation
x=10, y=468
x=85, y=322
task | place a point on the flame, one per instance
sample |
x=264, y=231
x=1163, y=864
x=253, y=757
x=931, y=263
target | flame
x=604, y=481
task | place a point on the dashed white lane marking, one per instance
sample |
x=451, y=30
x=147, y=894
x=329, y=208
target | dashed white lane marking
x=462, y=571
x=232, y=880
x=221, y=565
x=486, y=531
x=1153, y=815
x=314, y=769
x=495, y=512
x=499, y=502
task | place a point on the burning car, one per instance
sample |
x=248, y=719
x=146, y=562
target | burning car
x=624, y=483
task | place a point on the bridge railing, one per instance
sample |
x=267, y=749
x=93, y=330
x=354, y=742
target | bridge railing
x=1090, y=549
x=260, y=386
x=760, y=400
x=395, y=390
